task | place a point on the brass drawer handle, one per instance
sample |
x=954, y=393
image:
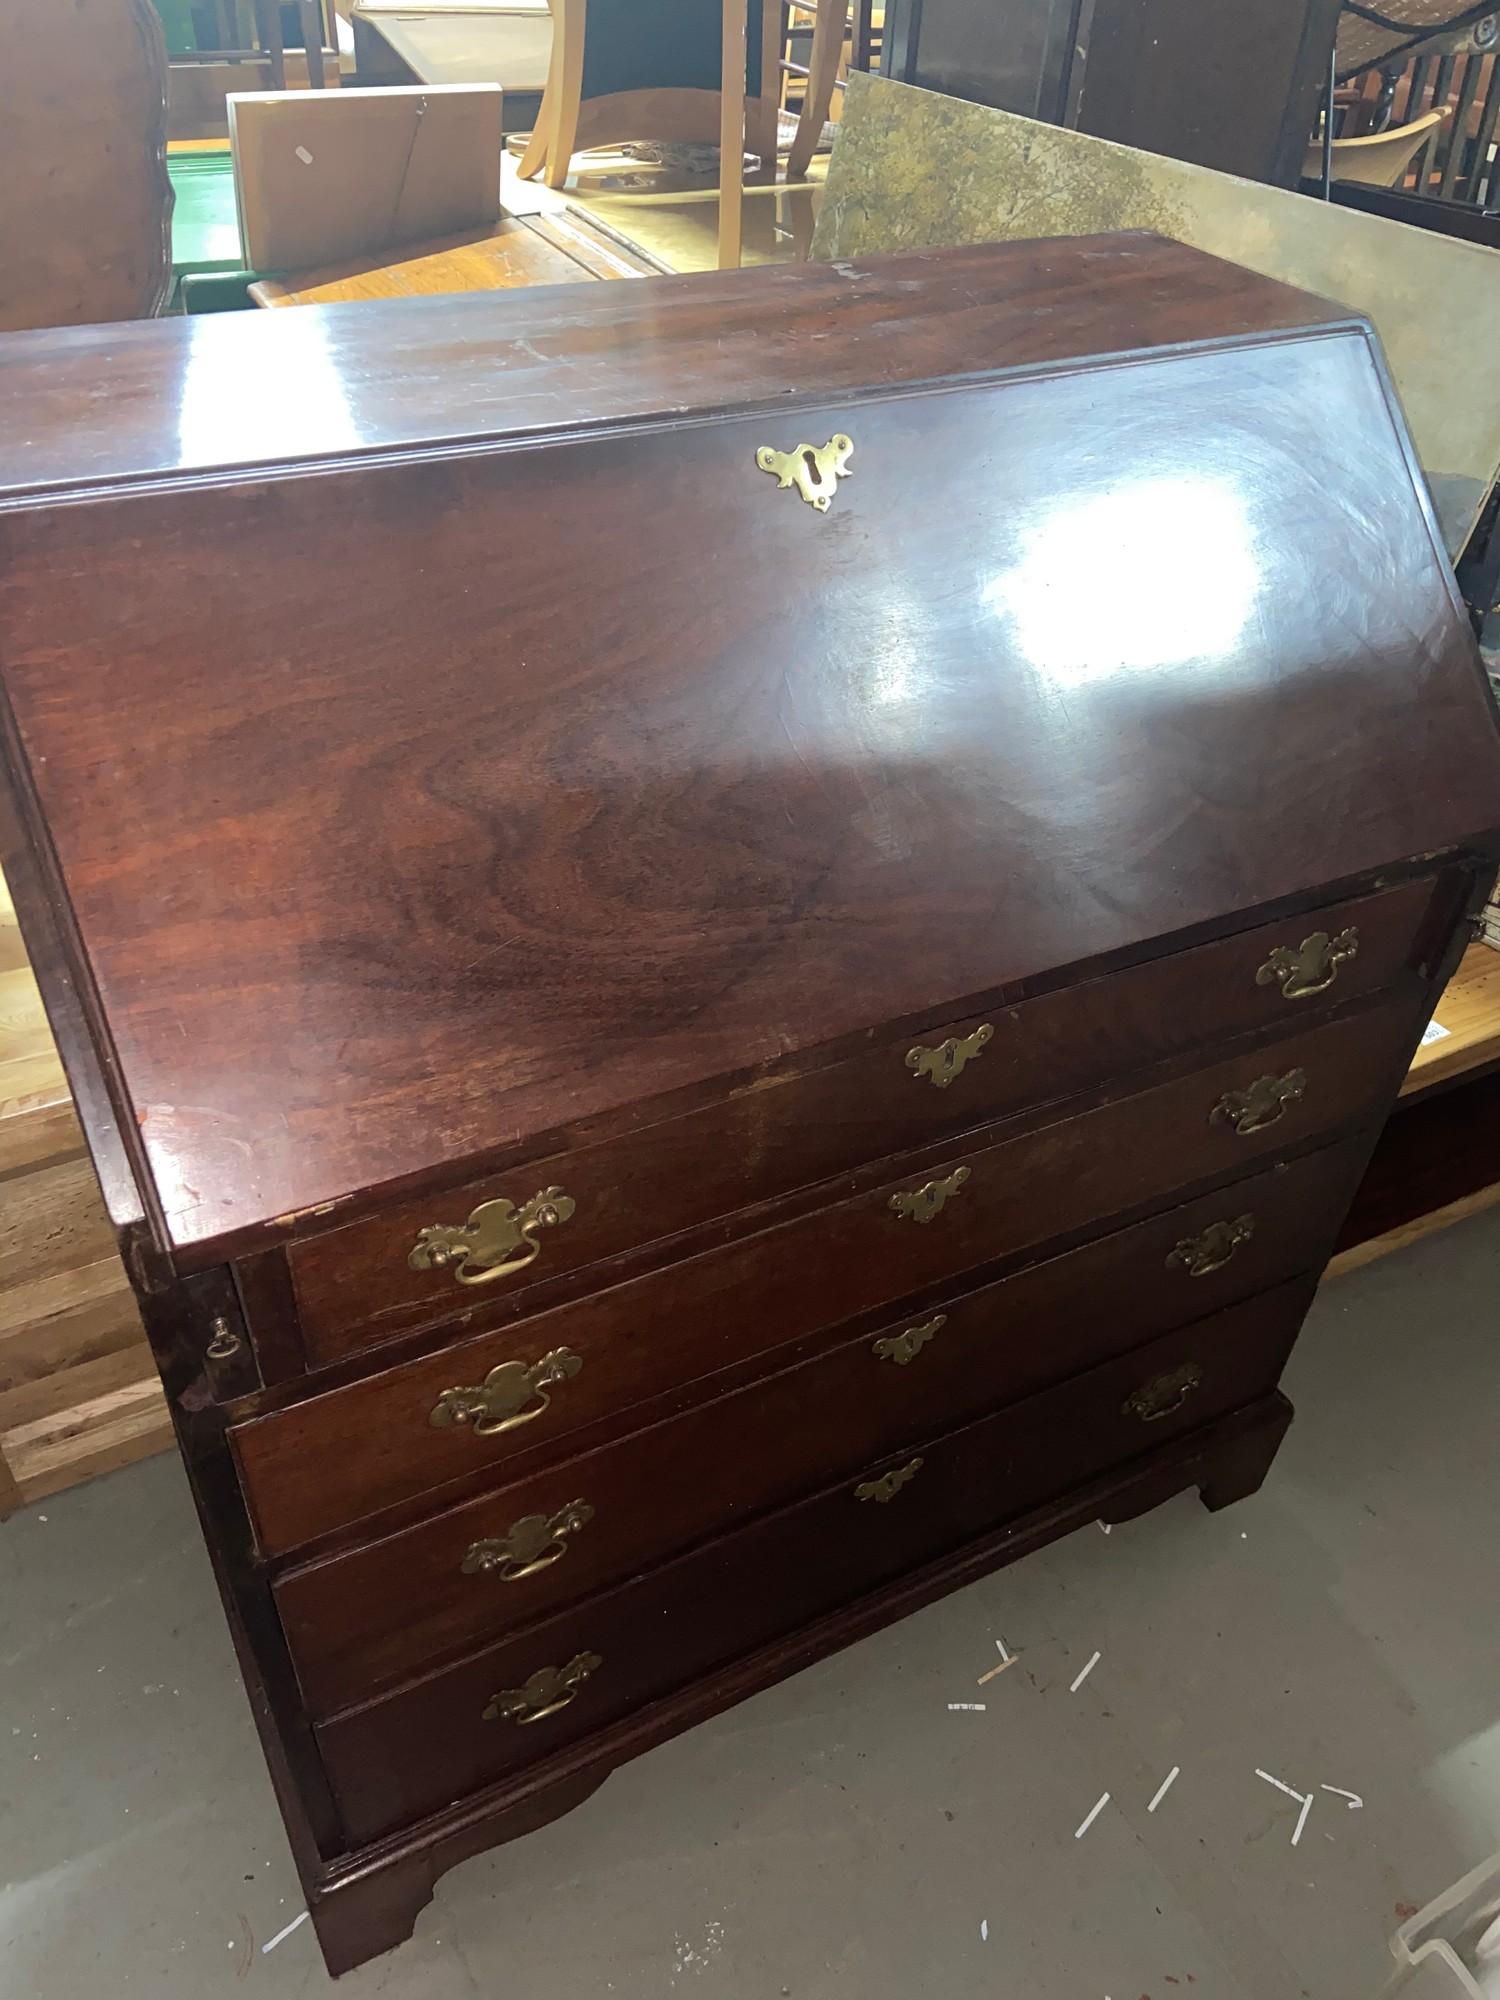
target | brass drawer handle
x=923, y=1203
x=1163, y=1394
x=908, y=1344
x=548, y=1690
x=1312, y=967
x=1201, y=1255
x=497, y=1240
x=947, y=1060
x=889, y=1484
x=534, y=1543
x=1260, y=1103
x=815, y=470
x=500, y=1401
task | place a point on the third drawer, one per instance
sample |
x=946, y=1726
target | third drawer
x=357, y=1621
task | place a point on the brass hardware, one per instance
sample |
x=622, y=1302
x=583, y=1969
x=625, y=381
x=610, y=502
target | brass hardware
x=889, y=1484
x=1312, y=967
x=225, y=1344
x=815, y=470
x=533, y=1543
x=548, y=1690
x=923, y=1203
x=499, y=1403
x=1260, y=1103
x=485, y=1247
x=1163, y=1394
x=947, y=1060
x=908, y=1344
x=1200, y=1255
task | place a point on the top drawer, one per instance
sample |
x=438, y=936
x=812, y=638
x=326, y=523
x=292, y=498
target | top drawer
x=358, y=1285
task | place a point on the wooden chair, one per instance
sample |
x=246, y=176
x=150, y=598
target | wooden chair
x=1378, y=159
x=667, y=70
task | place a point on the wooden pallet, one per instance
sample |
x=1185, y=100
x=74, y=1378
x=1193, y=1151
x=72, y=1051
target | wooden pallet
x=79, y=1394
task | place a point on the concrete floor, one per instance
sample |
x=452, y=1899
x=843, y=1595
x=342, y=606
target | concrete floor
x=849, y=1836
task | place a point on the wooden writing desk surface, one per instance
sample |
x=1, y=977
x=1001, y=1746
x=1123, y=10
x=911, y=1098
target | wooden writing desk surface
x=516, y=251
x=505, y=45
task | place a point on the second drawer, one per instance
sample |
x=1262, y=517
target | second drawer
x=355, y=1622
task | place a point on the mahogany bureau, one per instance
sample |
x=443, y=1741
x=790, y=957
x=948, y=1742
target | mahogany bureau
x=729, y=948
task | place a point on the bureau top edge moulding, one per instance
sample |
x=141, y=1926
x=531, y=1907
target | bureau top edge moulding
x=458, y=846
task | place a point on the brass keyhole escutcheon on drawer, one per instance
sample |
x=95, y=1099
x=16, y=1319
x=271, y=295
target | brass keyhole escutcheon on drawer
x=1163, y=1394
x=500, y=1402
x=534, y=1543
x=923, y=1203
x=1260, y=1103
x=1201, y=1255
x=1312, y=967
x=815, y=470
x=548, y=1690
x=949, y=1058
x=908, y=1344
x=497, y=1240
x=889, y=1484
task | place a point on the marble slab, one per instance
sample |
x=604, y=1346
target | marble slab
x=914, y=169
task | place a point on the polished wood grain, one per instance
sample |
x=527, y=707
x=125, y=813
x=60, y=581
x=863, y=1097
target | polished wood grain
x=358, y=1621
x=530, y=828
x=651, y=853
x=85, y=219
x=412, y=1751
x=442, y=371
x=355, y=1286
x=323, y=1463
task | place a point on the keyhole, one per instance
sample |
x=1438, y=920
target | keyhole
x=809, y=459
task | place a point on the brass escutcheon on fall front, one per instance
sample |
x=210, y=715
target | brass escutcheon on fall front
x=548, y=1690
x=923, y=1203
x=1260, y=1103
x=1163, y=1394
x=815, y=470
x=1212, y=1250
x=500, y=1402
x=908, y=1344
x=535, y=1542
x=948, y=1059
x=497, y=1239
x=889, y=1484
x=1312, y=967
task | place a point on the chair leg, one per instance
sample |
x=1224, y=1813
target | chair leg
x=822, y=73
x=310, y=13
x=539, y=145
x=569, y=26
x=732, y=136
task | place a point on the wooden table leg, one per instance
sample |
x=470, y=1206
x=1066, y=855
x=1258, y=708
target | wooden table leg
x=732, y=136
x=310, y=13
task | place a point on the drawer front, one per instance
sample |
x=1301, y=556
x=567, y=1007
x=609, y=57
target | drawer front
x=314, y=1468
x=359, y=1621
x=423, y=1746
x=357, y=1285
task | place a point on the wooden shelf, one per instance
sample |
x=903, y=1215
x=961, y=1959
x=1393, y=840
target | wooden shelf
x=1438, y=1160
x=1470, y=1011
x=79, y=1393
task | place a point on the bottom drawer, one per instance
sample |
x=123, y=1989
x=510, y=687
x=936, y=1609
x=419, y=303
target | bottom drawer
x=416, y=1750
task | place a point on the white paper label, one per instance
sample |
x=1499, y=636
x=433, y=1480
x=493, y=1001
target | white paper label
x=304, y=156
x=1435, y=1032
